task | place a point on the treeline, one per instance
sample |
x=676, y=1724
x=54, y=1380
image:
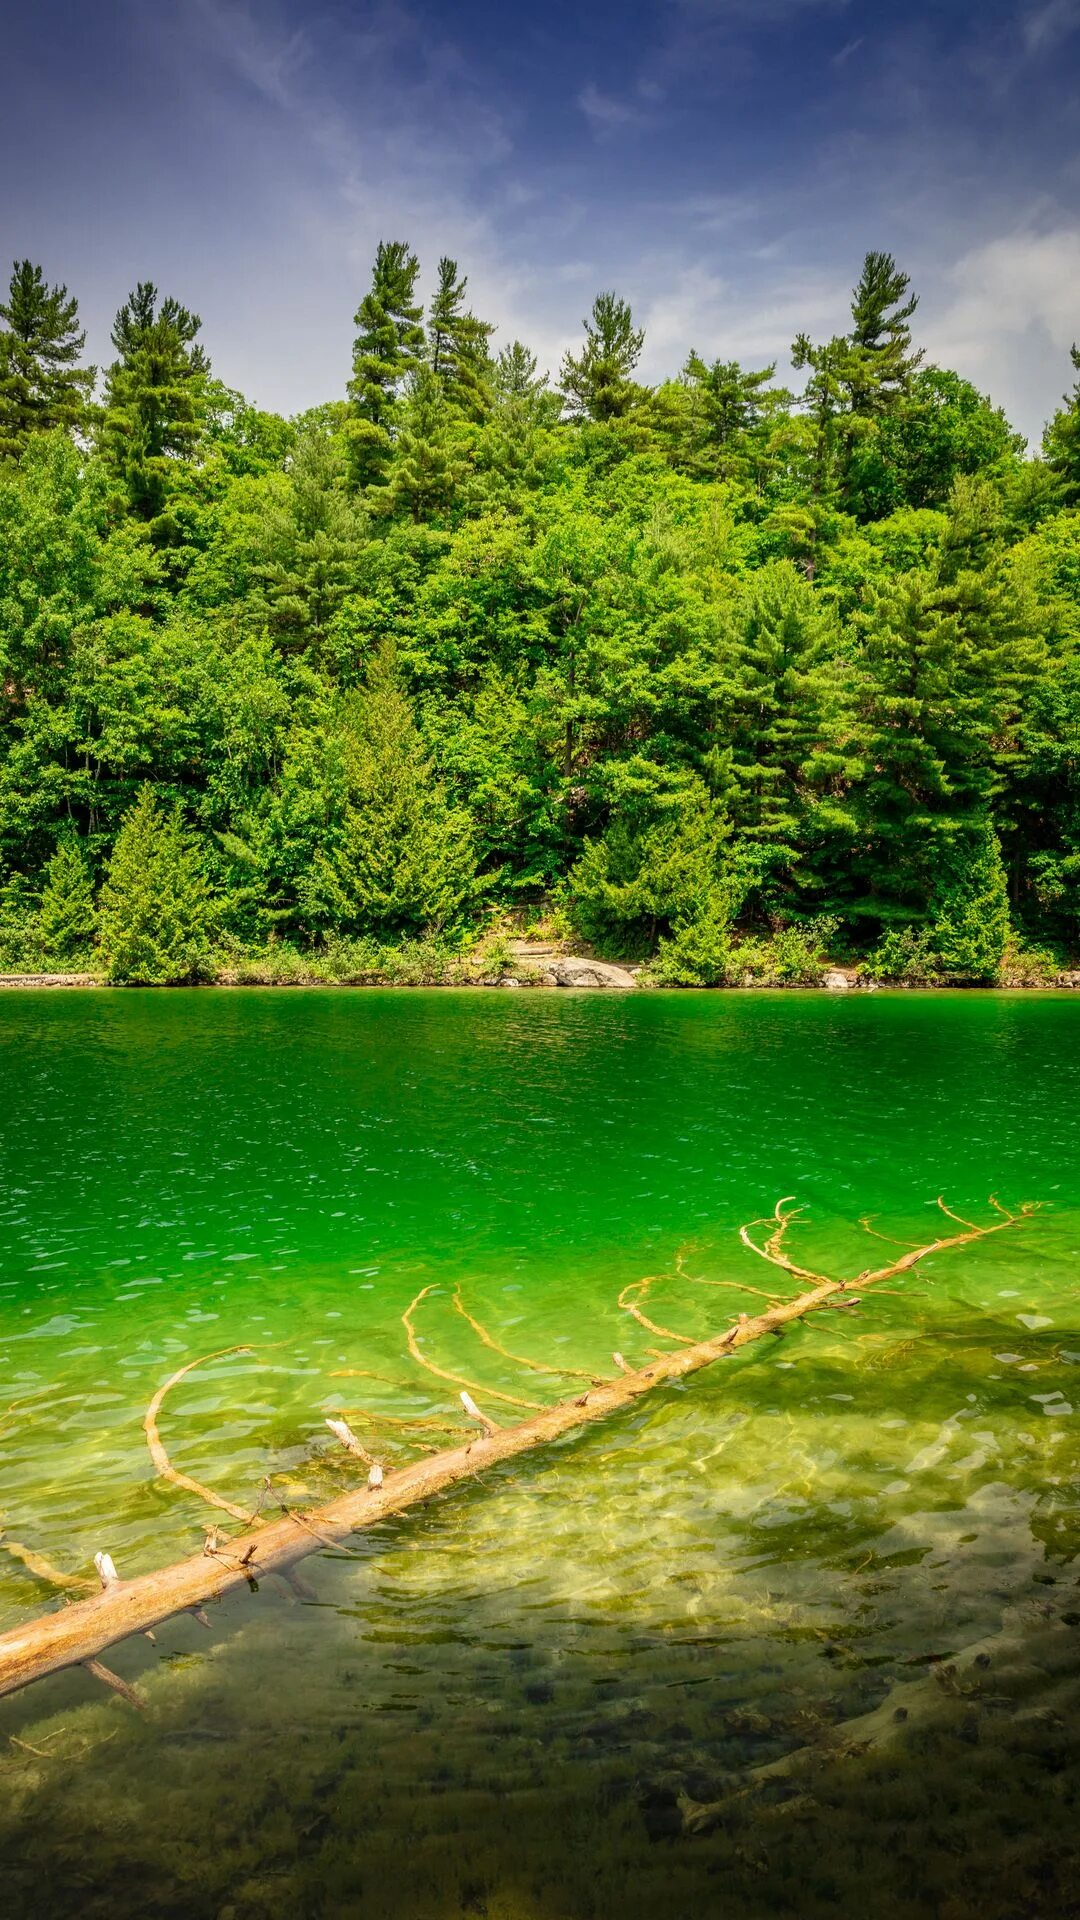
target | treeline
x=714, y=672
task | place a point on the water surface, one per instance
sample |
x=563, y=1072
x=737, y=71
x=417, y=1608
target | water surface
x=505, y=1704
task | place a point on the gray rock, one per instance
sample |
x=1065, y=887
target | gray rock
x=589, y=973
x=835, y=981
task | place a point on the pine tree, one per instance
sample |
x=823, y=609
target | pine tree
x=731, y=409
x=401, y=859
x=597, y=384
x=515, y=376
x=427, y=458
x=971, y=907
x=156, y=910
x=312, y=540
x=523, y=408
x=856, y=381
x=948, y=658
x=458, y=345
x=66, y=918
x=881, y=361
x=823, y=401
x=782, y=717
x=660, y=865
x=41, y=384
x=155, y=400
x=388, y=346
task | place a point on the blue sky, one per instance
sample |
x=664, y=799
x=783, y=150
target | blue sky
x=723, y=163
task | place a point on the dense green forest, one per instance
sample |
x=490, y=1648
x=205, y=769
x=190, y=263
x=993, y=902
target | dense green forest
x=708, y=673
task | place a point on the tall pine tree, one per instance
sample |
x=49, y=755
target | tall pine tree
x=41, y=382
x=458, y=345
x=597, y=383
x=727, y=421
x=66, y=918
x=428, y=461
x=155, y=401
x=389, y=344
x=881, y=361
x=782, y=717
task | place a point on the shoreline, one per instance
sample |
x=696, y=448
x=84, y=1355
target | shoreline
x=83, y=982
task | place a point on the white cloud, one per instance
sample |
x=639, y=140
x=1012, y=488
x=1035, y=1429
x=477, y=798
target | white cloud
x=848, y=50
x=1044, y=28
x=271, y=63
x=1013, y=308
x=725, y=320
x=607, y=113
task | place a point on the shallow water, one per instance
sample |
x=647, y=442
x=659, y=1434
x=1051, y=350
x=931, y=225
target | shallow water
x=506, y=1705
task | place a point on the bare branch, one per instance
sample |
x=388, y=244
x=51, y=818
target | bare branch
x=628, y=1306
x=970, y=1224
x=455, y=1379
x=157, y=1451
x=519, y=1360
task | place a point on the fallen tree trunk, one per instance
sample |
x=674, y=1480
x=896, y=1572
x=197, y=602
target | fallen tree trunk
x=903, y=1712
x=77, y=1634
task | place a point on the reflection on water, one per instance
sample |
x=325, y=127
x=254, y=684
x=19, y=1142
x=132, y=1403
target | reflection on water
x=508, y=1704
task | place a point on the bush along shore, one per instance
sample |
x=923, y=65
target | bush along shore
x=735, y=684
x=508, y=956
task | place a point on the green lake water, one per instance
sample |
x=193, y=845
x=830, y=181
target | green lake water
x=508, y=1704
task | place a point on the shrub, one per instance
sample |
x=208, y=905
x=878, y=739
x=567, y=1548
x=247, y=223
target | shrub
x=971, y=925
x=966, y=938
x=906, y=956
x=275, y=965
x=657, y=869
x=156, y=911
x=796, y=954
x=66, y=919
x=1027, y=966
x=18, y=917
x=698, y=953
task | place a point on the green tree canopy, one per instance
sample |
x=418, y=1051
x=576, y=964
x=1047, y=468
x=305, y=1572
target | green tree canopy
x=597, y=384
x=155, y=400
x=41, y=342
x=389, y=343
x=398, y=858
x=156, y=911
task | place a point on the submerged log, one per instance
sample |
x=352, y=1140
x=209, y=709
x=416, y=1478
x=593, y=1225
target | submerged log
x=77, y=1634
x=897, y=1719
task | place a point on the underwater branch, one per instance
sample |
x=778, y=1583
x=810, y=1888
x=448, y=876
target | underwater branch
x=77, y=1634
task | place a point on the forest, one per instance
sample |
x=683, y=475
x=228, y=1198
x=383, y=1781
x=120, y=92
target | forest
x=714, y=676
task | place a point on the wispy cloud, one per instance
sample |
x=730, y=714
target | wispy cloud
x=1044, y=28
x=754, y=13
x=270, y=62
x=848, y=50
x=1011, y=305
x=607, y=114
x=723, y=163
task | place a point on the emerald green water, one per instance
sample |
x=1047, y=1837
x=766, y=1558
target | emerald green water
x=499, y=1705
